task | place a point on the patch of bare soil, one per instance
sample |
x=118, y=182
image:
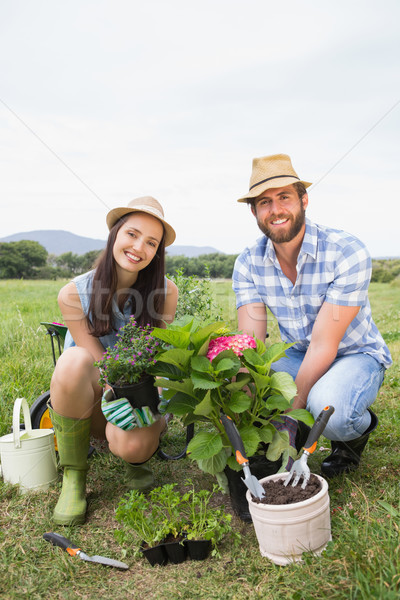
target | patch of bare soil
x=277, y=493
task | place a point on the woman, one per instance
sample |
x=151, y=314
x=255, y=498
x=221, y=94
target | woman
x=128, y=279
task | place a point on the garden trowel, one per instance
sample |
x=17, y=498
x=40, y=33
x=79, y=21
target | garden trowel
x=65, y=544
x=237, y=443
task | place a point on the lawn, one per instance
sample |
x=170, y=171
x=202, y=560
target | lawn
x=361, y=562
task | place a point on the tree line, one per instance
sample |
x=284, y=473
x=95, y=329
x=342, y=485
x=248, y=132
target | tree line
x=27, y=259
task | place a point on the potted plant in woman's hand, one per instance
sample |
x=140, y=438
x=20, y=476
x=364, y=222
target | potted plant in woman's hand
x=124, y=367
x=209, y=369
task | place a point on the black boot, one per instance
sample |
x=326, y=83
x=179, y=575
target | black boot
x=345, y=456
x=261, y=467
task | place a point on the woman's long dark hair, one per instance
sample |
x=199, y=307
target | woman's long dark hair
x=147, y=294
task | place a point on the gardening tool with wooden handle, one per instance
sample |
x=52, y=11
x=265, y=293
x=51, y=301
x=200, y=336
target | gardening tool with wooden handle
x=65, y=544
x=300, y=467
x=237, y=443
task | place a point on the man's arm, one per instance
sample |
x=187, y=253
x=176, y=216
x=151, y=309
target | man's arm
x=252, y=319
x=329, y=328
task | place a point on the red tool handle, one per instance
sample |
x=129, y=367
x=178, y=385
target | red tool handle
x=318, y=428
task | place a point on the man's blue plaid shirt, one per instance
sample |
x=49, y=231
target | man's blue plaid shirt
x=332, y=266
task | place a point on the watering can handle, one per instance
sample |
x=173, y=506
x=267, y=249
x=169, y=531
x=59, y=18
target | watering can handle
x=18, y=404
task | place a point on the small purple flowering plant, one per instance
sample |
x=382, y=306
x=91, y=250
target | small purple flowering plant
x=127, y=361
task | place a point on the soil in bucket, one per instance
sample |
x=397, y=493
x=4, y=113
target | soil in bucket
x=277, y=493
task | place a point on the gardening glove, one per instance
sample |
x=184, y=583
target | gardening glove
x=290, y=425
x=119, y=412
x=163, y=406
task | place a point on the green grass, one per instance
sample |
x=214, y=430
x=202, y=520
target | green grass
x=361, y=562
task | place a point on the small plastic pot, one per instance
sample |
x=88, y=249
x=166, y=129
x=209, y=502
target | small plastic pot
x=156, y=555
x=198, y=549
x=176, y=551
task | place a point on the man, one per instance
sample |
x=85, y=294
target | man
x=314, y=280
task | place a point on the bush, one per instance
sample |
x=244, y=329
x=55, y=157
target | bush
x=195, y=297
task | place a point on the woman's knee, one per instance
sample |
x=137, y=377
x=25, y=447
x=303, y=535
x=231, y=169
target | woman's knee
x=74, y=366
x=137, y=445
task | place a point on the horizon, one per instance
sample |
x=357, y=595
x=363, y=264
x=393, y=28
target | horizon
x=381, y=257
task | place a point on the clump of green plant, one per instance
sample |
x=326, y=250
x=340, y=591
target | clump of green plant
x=148, y=520
x=205, y=522
x=195, y=296
x=141, y=524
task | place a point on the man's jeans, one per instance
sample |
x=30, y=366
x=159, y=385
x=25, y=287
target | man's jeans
x=350, y=385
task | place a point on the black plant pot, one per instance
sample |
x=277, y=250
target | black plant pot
x=198, y=549
x=260, y=467
x=176, y=551
x=140, y=394
x=156, y=555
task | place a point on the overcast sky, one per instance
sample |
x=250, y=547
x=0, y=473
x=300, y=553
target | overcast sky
x=105, y=101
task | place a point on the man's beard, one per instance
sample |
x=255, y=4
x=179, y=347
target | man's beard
x=280, y=237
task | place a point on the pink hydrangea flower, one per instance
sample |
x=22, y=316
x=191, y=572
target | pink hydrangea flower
x=237, y=343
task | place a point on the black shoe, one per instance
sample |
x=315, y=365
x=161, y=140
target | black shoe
x=346, y=456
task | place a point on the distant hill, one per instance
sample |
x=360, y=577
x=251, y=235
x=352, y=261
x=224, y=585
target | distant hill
x=191, y=251
x=58, y=241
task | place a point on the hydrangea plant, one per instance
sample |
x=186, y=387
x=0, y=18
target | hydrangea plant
x=208, y=369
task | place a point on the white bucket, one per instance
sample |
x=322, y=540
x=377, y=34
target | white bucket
x=285, y=531
x=28, y=457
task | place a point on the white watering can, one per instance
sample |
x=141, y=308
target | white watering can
x=28, y=457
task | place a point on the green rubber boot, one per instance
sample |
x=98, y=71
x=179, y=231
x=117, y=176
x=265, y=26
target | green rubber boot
x=73, y=436
x=138, y=477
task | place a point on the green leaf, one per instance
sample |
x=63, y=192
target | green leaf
x=301, y=414
x=213, y=465
x=199, y=337
x=283, y=382
x=203, y=383
x=205, y=407
x=276, y=351
x=226, y=364
x=201, y=363
x=260, y=346
x=181, y=405
x=278, y=445
x=178, y=357
x=190, y=418
x=162, y=369
x=239, y=402
x=233, y=464
x=389, y=508
x=204, y=445
x=266, y=433
x=179, y=339
x=185, y=386
x=262, y=382
x=252, y=357
x=276, y=402
x=251, y=439
x=242, y=379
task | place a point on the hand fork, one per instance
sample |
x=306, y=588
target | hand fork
x=300, y=467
